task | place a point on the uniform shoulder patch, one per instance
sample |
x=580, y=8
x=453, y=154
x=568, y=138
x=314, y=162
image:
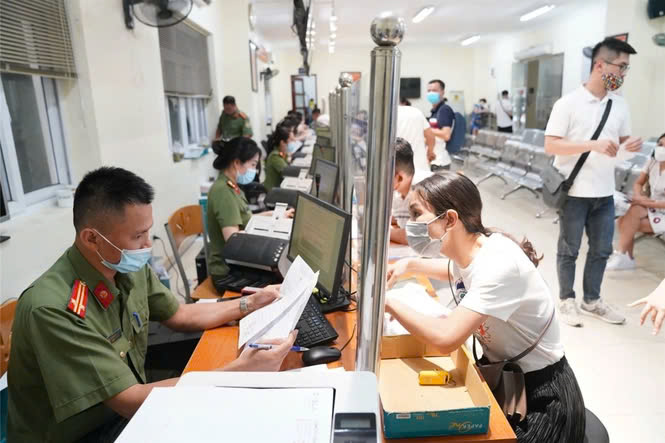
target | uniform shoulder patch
x=233, y=186
x=78, y=301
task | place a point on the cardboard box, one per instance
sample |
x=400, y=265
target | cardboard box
x=410, y=410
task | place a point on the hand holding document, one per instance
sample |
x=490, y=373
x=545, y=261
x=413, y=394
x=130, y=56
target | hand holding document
x=416, y=297
x=279, y=318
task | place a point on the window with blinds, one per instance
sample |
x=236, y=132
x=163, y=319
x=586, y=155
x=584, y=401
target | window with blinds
x=35, y=38
x=184, y=53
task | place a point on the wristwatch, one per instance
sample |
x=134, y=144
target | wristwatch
x=244, y=309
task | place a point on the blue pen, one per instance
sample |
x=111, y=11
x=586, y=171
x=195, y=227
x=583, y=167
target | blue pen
x=138, y=319
x=264, y=346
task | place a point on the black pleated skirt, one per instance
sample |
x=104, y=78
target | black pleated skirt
x=555, y=407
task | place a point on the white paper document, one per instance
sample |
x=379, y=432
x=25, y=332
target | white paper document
x=226, y=414
x=279, y=318
x=416, y=297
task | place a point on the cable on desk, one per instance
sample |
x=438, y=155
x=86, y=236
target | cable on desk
x=350, y=266
x=171, y=266
x=350, y=338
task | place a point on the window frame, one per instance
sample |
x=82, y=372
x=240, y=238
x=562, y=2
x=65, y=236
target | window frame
x=192, y=109
x=47, y=94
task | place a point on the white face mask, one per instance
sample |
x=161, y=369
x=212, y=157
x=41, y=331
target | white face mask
x=417, y=236
x=659, y=153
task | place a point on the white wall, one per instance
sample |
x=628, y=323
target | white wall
x=114, y=114
x=568, y=35
x=644, y=88
x=450, y=63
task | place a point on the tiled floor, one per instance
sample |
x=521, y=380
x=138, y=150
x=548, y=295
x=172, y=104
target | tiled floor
x=621, y=369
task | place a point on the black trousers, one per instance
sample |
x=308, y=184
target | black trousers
x=556, y=412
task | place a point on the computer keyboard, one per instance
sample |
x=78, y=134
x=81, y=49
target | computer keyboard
x=313, y=328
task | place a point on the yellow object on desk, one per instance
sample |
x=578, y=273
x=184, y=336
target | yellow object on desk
x=434, y=377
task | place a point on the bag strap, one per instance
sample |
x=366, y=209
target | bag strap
x=523, y=353
x=576, y=170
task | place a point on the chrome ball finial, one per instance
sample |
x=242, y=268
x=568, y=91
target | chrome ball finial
x=387, y=29
x=345, y=80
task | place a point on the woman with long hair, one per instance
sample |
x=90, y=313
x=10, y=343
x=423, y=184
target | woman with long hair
x=502, y=299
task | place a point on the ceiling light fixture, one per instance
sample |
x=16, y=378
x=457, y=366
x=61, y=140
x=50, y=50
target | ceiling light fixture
x=470, y=40
x=423, y=14
x=536, y=13
x=333, y=18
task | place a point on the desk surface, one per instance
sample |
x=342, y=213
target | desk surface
x=219, y=347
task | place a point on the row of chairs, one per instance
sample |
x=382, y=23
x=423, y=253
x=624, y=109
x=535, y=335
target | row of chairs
x=520, y=158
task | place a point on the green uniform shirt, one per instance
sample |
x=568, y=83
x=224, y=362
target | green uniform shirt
x=227, y=206
x=236, y=125
x=63, y=366
x=275, y=164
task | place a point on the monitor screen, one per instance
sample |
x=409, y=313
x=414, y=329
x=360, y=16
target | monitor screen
x=409, y=87
x=319, y=235
x=328, y=182
x=4, y=210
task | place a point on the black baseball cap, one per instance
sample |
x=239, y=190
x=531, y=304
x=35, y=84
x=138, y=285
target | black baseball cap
x=229, y=100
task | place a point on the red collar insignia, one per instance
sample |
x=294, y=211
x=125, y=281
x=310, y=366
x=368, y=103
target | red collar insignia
x=78, y=301
x=103, y=295
x=283, y=155
x=233, y=186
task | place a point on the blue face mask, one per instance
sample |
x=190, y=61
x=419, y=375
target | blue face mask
x=247, y=177
x=131, y=260
x=292, y=146
x=433, y=97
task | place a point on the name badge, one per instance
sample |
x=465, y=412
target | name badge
x=115, y=336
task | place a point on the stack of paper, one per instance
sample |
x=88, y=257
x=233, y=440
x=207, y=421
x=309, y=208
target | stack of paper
x=416, y=297
x=279, y=318
x=224, y=414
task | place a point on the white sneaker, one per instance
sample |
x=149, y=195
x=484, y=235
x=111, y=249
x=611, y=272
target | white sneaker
x=603, y=311
x=569, y=313
x=620, y=262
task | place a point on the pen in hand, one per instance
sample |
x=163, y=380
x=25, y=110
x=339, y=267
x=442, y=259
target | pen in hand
x=265, y=346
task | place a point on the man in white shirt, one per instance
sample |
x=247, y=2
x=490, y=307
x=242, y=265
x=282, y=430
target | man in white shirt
x=590, y=202
x=413, y=127
x=504, y=113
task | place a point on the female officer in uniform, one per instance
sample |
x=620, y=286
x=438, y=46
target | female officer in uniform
x=280, y=143
x=228, y=210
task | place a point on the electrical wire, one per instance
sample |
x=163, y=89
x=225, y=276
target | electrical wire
x=350, y=266
x=350, y=338
x=171, y=266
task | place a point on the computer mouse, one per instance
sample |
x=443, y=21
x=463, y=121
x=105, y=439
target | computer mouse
x=320, y=354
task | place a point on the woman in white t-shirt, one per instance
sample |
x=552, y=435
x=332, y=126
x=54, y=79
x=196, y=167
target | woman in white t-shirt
x=503, y=301
x=646, y=213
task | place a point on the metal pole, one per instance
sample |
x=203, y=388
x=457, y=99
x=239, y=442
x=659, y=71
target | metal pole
x=387, y=31
x=333, y=118
x=339, y=122
x=345, y=174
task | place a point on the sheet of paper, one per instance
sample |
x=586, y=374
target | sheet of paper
x=279, y=318
x=233, y=415
x=416, y=297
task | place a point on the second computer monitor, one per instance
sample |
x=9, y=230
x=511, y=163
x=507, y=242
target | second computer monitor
x=327, y=187
x=319, y=235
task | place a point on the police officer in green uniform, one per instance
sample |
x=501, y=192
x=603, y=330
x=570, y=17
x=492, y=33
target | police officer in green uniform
x=280, y=143
x=228, y=210
x=80, y=332
x=232, y=123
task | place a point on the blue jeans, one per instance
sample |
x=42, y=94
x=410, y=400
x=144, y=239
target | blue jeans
x=596, y=215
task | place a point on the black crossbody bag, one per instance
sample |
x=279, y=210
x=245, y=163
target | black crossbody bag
x=555, y=184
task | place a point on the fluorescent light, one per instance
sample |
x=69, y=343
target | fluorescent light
x=331, y=49
x=470, y=40
x=333, y=27
x=536, y=13
x=333, y=18
x=333, y=35
x=422, y=14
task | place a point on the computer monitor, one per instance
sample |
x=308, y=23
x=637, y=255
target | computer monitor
x=4, y=211
x=328, y=183
x=319, y=235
